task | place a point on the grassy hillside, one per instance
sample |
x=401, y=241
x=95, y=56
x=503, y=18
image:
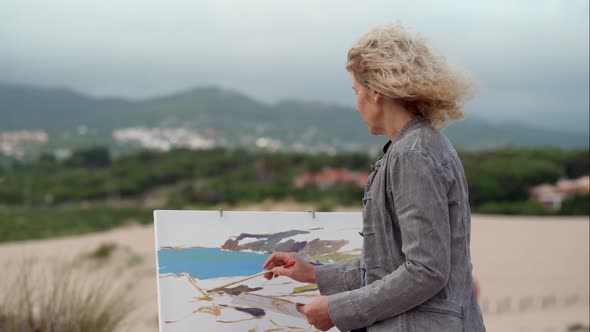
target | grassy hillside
x=236, y=118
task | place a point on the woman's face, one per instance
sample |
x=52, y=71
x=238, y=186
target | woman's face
x=367, y=107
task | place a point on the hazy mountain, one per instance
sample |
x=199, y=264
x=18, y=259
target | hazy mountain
x=234, y=116
x=59, y=109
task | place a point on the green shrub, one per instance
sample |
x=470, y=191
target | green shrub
x=326, y=205
x=576, y=205
x=578, y=328
x=103, y=251
x=21, y=223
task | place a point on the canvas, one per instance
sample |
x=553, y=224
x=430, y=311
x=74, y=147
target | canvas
x=198, y=252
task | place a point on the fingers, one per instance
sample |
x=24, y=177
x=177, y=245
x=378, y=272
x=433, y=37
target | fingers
x=317, y=313
x=300, y=307
x=268, y=261
x=276, y=259
x=281, y=271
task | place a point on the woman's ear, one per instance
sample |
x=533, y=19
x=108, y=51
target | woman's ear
x=377, y=97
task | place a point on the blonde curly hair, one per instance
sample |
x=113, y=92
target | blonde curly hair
x=403, y=67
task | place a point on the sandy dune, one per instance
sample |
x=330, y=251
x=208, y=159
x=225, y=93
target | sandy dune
x=533, y=272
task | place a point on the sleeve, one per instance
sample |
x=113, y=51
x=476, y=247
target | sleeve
x=420, y=203
x=338, y=277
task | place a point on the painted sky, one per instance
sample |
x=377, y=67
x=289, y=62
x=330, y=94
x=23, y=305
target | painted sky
x=529, y=58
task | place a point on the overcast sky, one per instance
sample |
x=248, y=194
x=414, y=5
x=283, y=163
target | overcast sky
x=529, y=58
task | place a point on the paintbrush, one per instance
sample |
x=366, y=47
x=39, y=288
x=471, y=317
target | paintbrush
x=250, y=277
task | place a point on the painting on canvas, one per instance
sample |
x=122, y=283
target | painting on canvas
x=205, y=257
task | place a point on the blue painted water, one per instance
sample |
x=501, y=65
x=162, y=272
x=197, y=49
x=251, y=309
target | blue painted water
x=205, y=263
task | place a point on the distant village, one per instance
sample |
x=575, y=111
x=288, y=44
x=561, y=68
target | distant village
x=163, y=139
x=14, y=144
x=17, y=143
x=552, y=195
x=330, y=177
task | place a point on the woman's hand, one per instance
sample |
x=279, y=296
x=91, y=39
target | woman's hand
x=317, y=313
x=302, y=271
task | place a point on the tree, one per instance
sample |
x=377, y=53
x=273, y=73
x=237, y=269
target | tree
x=91, y=157
x=576, y=205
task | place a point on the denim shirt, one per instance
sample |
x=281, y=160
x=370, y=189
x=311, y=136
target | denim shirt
x=416, y=257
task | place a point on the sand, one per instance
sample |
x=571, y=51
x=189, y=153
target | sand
x=533, y=272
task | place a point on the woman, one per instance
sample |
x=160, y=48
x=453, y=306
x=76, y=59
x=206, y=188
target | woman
x=415, y=270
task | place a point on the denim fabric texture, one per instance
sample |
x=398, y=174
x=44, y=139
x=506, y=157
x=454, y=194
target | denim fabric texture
x=363, y=283
x=416, y=256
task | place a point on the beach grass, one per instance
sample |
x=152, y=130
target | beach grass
x=60, y=296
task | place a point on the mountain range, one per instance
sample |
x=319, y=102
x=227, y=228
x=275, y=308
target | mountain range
x=237, y=119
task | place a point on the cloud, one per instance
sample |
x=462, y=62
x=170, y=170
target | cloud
x=530, y=54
